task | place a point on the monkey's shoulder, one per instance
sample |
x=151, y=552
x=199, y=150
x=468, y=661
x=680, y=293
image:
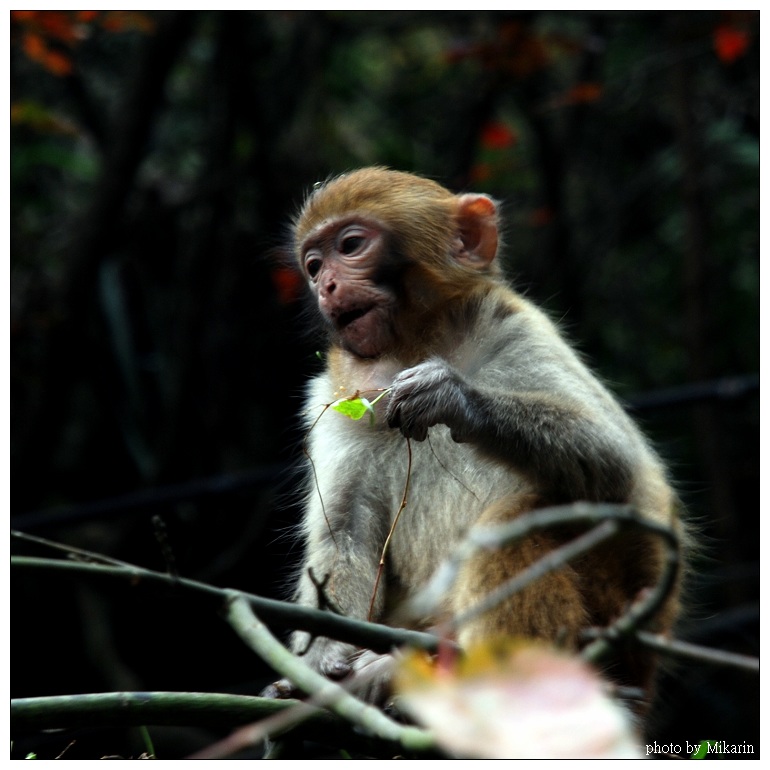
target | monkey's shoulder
x=512, y=338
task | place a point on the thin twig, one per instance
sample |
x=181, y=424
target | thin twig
x=70, y=550
x=306, y=452
x=401, y=507
x=449, y=472
x=258, y=732
x=679, y=649
x=61, y=754
x=161, y=535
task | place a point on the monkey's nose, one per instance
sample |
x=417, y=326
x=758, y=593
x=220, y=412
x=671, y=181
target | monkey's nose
x=328, y=286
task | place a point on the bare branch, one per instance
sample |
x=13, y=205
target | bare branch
x=677, y=649
x=642, y=610
x=204, y=709
x=139, y=708
x=323, y=691
x=373, y=636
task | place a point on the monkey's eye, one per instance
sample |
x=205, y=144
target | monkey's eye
x=351, y=243
x=312, y=266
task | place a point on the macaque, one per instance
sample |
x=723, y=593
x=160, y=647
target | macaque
x=502, y=415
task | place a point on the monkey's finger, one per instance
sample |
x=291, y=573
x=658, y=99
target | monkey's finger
x=283, y=689
x=403, y=418
x=416, y=431
x=336, y=669
x=393, y=415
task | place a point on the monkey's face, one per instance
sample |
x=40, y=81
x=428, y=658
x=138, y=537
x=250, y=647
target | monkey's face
x=352, y=274
x=384, y=251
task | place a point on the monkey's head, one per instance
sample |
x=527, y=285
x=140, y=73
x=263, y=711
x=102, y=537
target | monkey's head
x=383, y=250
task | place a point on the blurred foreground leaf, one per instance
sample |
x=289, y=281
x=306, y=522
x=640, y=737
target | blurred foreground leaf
x=516, y=700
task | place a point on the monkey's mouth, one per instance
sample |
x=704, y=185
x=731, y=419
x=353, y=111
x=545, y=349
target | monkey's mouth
x=363, y=330
x=349, y=317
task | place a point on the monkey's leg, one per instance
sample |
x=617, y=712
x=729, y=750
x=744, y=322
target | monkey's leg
x=600, y=586
x=551, y=608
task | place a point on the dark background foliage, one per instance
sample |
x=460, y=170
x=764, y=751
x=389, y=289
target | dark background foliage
x=158, y=348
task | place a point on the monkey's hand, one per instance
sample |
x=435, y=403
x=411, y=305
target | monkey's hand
x=326, y=656
x=429, y=394
x=367, y=675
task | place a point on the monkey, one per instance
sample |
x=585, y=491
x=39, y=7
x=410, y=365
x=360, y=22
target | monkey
x=502, y=415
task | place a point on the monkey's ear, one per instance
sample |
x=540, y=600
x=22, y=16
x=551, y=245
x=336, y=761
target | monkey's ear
x=477, y=222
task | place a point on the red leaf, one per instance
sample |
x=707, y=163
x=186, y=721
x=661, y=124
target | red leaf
x=59, y=25
x=57, y=63
x=730, y=43
x=288, y=284
x=584, y=93
x=127, y=21
x=34, y=46
x=498, y=136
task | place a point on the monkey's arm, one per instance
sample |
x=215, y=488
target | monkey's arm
x=574, y=448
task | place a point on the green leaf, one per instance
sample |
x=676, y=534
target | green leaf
x=355, y=408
